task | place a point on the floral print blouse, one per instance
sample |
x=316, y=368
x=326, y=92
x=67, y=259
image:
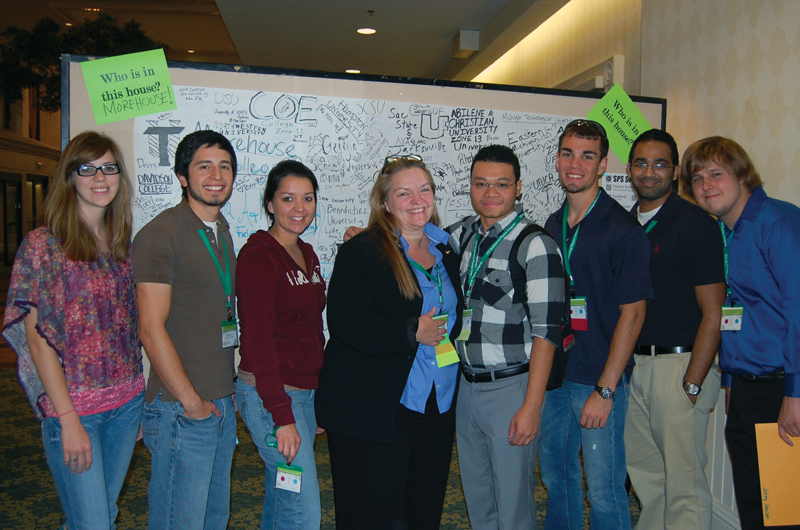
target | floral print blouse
x=86, y=313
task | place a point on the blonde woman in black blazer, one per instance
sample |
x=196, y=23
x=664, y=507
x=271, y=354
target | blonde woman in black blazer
x=390, y=461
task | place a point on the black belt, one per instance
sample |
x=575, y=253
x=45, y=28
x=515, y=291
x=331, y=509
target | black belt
x=642, y=349
x=777, y=375
x=486, y=377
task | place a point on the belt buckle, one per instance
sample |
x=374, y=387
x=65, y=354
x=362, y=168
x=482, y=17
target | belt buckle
x=653, y=350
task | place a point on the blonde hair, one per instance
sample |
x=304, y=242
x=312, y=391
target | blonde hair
x=724, y=152
x=384, y=225
x=61, y=211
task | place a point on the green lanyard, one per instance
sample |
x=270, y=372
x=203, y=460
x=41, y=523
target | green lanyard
x=226, y=278
x=475, y=266
x=421, y=269
x=650, y=226
x=726, y=253
x=574, y=237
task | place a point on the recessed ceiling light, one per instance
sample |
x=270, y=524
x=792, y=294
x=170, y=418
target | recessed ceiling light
x=353, y=71
x=190, y=51
x=68, y=24
x=366, y=31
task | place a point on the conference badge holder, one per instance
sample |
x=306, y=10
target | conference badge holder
x=230, y=337
x=731, y=318
x=287, y=477
x=577, y=310
x=466, y=324
x=445, y=352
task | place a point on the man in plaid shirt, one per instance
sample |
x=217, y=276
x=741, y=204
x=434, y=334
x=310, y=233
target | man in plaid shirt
x=507, y=358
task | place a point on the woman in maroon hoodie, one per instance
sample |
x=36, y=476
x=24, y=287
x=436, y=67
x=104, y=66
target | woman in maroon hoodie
x=281, y=296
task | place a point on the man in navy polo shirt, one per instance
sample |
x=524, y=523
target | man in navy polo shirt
x=760, y=348
x=606, y=254
x=665, y=431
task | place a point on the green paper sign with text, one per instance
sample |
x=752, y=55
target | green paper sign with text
x=128, y=86
x=621, y=119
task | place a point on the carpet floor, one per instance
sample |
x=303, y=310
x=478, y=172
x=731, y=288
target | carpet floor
x=28, y=497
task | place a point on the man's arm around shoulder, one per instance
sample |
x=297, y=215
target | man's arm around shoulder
x=154, y=302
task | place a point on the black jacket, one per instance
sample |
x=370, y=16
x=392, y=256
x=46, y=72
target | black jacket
x=369, y=354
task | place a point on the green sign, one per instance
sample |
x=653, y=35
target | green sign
x=621, y=119
x=128, y=86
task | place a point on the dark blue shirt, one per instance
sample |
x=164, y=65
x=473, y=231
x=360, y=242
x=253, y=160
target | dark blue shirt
x=763, y=277
x=686, y=252
x=610, y=266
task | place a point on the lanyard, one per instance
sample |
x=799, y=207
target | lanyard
x=421, y=269
x=226, y=278
x=475, y=266
x=726, y=253
x=650, y=226
x=574, y=236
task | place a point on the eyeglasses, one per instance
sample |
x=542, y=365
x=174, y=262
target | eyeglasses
x=88, y=170
x=658, y=167
x=497, y=185
x=394, y=158
x=589, y=123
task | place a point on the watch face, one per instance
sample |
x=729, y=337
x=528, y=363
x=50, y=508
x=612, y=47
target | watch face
x=605, y=392
x=692, y=389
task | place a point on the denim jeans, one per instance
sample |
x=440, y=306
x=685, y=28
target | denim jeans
x=90, y=499
x=284, y=510
x=603, y=461
x=190, y=475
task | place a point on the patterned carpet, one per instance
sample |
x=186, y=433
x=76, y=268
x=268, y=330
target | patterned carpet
x=28, y=498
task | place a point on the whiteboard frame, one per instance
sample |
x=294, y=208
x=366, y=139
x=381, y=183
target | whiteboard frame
x=77, y=115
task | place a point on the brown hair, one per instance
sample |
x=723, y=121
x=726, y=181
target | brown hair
x=722, y=151
x=62, y=214
x=384, y=225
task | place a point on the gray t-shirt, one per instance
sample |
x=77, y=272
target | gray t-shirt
x=169, y=250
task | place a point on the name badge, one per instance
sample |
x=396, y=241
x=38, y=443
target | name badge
x=731, y=318
x=288, y=477
x=230, y=336
x=466, y=324
x=577, y=310
x=445, y=352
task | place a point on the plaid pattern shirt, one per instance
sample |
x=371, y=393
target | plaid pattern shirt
x=503, y=331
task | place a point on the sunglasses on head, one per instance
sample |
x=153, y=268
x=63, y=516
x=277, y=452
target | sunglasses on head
x=589, y=123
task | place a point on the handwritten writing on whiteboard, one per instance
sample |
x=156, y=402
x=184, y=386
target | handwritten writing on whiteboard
x=344, y=141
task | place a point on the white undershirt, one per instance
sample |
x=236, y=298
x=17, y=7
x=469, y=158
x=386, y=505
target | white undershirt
x=644, y=218
x=212, y=225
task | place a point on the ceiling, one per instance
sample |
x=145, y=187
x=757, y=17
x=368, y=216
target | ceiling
x=414, y=37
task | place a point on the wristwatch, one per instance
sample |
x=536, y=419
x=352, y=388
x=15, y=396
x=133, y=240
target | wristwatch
x=604, y=391
x=691, y=388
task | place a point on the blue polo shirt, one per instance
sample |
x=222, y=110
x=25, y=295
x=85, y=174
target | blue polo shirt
x=610, y=266
x=424, y=372
x=762, y=275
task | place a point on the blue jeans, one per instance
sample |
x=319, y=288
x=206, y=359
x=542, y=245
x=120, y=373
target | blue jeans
x=283, y=509
x=190, y=475
x=603, y=461
x=90, y=499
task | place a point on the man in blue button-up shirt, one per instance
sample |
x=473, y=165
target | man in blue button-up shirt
x=760, y=359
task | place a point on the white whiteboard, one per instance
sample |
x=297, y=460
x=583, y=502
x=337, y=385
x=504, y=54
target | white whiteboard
x=342, y=127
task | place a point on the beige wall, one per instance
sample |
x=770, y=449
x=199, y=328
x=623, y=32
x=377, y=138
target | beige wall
x=730, y=67
x=579, y=36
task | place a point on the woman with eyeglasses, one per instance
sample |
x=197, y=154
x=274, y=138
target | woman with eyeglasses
x=281, y=296
x=71, y=319
x=387, y=388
